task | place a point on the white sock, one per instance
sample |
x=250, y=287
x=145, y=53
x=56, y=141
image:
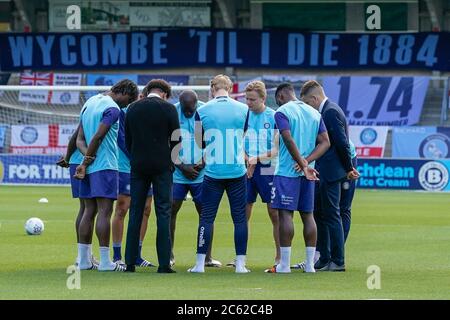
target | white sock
x=105, y=260
x=285, y=262
x=310, y=253
x=90, y=250
x=83, y=256
x=240, y=261
x=200, y=259
x=200, y=263
x=240, y=264
x=316, y=256
x=309, y=264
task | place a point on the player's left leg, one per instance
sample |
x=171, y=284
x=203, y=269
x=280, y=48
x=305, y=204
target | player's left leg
x=122, y=206
x=77, y=226
x=263, y=183
x=212, y=192
x=103, y=231
x=79, y=217
x=236, y=192
x=286, y=236
x=196, y=192
x=85, y=231
x=252, y=194
x=274, y=218
x=306, y=208
x=310, y=238
x=141, y=262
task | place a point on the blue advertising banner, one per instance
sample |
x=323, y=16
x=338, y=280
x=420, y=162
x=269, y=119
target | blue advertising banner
x=173, y=80
x=108, y=79
x=403, y=174
x=194, y=47
x=397, y=174
x=32, y=169
x=378, y=101
x=421, y=142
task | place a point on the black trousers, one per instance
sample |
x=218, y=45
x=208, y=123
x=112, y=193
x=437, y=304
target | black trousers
x=347, y=194
x=330, y=233
x=162, y=195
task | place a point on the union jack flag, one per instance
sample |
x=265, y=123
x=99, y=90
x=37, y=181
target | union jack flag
x=36, y=78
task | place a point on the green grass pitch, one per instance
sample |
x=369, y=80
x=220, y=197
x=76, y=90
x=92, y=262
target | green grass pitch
x=406, y=234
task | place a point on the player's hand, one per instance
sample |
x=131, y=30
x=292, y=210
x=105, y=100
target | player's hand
x=250, y=170
x=80, y=172
x=303, y=162
x=297, y=168
x=252, y=161
x=189, y=172
x=353, y=174
x=63, y=163
x=199, y=166
x=311, y=173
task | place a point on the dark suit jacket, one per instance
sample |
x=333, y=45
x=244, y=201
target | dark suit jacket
x=149, y=125
x=336, y=162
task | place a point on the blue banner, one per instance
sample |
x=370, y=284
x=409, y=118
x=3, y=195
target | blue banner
x=421, y=142
x=108, y=79
x=32, y=169
x=425, y=175
x=173, y=80
x=378, y=101
x=191, y=47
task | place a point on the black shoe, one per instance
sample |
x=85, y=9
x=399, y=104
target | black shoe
x=130, y=268
x=166, y=270
x=322, y=266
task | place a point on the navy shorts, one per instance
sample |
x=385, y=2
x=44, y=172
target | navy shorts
x=125, y=185
x=259, y=184
x=293, y=194
x=180, y=191
x=74, y=183
x=100, y=184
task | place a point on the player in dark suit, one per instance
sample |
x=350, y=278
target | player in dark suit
x=334, y=167
x=149, y=126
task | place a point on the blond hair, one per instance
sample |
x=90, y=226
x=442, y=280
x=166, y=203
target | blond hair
x=258, y=86
x=222, y=82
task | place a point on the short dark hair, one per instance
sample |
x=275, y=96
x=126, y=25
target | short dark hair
x=308, y=86
x=160, y=84
x=284, y=86
x=127, y=88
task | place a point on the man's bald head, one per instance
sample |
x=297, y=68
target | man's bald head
x=188, y=101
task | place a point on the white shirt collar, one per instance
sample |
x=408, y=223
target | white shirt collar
x=322, y=104
x=153, y=95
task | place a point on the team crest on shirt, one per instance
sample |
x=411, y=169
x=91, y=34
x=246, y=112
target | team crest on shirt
x=266, y=125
